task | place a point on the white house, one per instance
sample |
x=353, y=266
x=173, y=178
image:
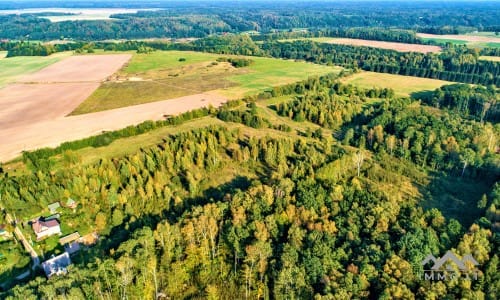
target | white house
x=45, y=229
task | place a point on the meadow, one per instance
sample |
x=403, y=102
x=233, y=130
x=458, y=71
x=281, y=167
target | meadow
x=164, y=75
x=402, y=85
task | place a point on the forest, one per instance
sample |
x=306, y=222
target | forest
x=177, y=19
x=224, y=212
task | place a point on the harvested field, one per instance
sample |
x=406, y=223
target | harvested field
x=81, y=68
x=22, y=104
x=51, y=133
x=461, y=37
x=48, y=95
x=401, y=47
x=13, y=68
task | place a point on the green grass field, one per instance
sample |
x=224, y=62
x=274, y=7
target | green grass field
x=402, y=85
x=491, y=58
x=166, y=75
x=14, y=67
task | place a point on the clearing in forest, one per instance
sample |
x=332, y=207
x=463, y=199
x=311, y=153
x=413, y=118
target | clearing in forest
x=402, y=85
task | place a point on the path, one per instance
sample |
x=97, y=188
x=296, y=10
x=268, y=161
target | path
x=24, y=241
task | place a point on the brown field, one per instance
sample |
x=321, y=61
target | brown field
x=22, y=104
x=82, y=68
x=461, y=37
x=47, y=96
x=401, y=47
x=51, y=133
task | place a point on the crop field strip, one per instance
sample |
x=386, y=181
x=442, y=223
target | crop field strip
x=401, y=47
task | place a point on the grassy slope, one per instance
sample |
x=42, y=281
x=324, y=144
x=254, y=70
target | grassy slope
x=14, y=67
x=402, y=85
x=161, y=76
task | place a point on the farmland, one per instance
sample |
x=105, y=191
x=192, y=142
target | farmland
x=472, y=40
x=166, y=75
x=15, y=67
x=401, y=47
x=402, y=85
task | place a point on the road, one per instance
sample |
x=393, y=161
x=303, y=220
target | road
x=24, y=241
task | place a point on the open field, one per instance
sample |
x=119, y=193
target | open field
x=472, y=40
x=75, y=14
x=462, y=37
x=53, y=132
x=166, y=75
x=401, y=47
x=80, y=68
x=15, y=67
x=22, y=104
x=491, y=58
x=402, y=85
x=56, y=90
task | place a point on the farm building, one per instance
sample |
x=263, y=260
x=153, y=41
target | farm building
x=69, y=238
x=71, y=203
x=56, y=265
x=53, y=207
x=45, y=229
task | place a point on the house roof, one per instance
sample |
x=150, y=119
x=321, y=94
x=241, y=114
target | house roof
x=39, y=225
x=69, y=238
x=54, y=206
x=57, y=264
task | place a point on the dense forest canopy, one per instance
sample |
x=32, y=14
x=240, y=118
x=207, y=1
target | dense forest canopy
x=305, y=214
x=199, y=19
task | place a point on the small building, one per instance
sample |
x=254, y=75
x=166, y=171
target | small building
x=52, y=217
x=57, y=265
x=69, y=238
x=45, y=229
x=53, y=207
x=72, y=247
x=71, y=203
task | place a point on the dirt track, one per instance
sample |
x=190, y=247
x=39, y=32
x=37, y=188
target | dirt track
x=51, y=133
x=401, y=47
